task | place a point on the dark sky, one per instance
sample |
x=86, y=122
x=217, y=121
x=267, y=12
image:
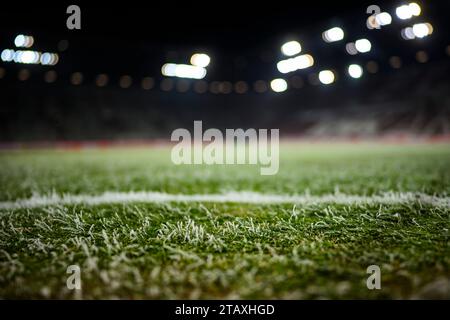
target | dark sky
x=233, y=24
x=134, y=36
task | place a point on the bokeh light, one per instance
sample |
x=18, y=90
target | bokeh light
x=355, y=71
x=326, y=76
x=291, y=48
x=278, y=85
x=333, y=34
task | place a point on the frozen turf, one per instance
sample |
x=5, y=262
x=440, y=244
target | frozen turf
x=140, y=227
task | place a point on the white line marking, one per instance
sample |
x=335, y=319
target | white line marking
x=389, y=198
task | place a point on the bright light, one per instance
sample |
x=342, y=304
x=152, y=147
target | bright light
x=363, y=45
x=421, y=30
x=23, y=41
x=304, y=61
x=403, y=12
x=285, y=66
x=27, y=57
x=49, y=59
x=7, y=55
x=407, y=11
x=278, y=85
x=291, y=48
x=183, y=71
x=30, y=57
x=169, y=69
x=300, y=62
x=46, y=58
x=355, y=71
x=383, y=18
x=186, y=71
x=19, y=41
x=18, y=56
x=326, y=76
x=200, y=60
x=414, y=8
x=333, y=34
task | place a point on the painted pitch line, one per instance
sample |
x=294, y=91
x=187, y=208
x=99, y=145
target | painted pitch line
x=389, y=198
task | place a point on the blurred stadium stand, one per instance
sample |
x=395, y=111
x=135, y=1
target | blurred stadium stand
x=415, y=101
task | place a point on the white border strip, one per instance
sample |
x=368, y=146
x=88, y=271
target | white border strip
x=390, y=198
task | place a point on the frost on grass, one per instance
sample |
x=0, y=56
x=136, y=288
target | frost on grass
x=222, y=250
x=188, y=231
x=310, y=233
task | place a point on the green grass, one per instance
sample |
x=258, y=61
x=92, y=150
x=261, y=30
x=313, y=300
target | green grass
x=208, y=250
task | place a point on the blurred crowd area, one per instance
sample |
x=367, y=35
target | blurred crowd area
x=409, y=100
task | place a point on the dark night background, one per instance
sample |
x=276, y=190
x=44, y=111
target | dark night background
x=243, y=40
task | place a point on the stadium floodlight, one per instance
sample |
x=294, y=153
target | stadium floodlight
x=285, y=66
x=304, y=61
x=30, y=57
x=363, y=45
x=407, y=11
x=292, y=64
x=403, y=12
x=291, y=48
x=23, y=41
x=7, y=55
x=183, y=71
x=326, y=76
x=421, y=30
x=186, y=71
x=19, y=41
x=49, y=59
x=18, y=56
x=414, y=9
x=27, y=57
x=46, y=58
x=383, y=18
x=200, y=60
x=278, y=85
x=355, y=71
x=333, y=34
